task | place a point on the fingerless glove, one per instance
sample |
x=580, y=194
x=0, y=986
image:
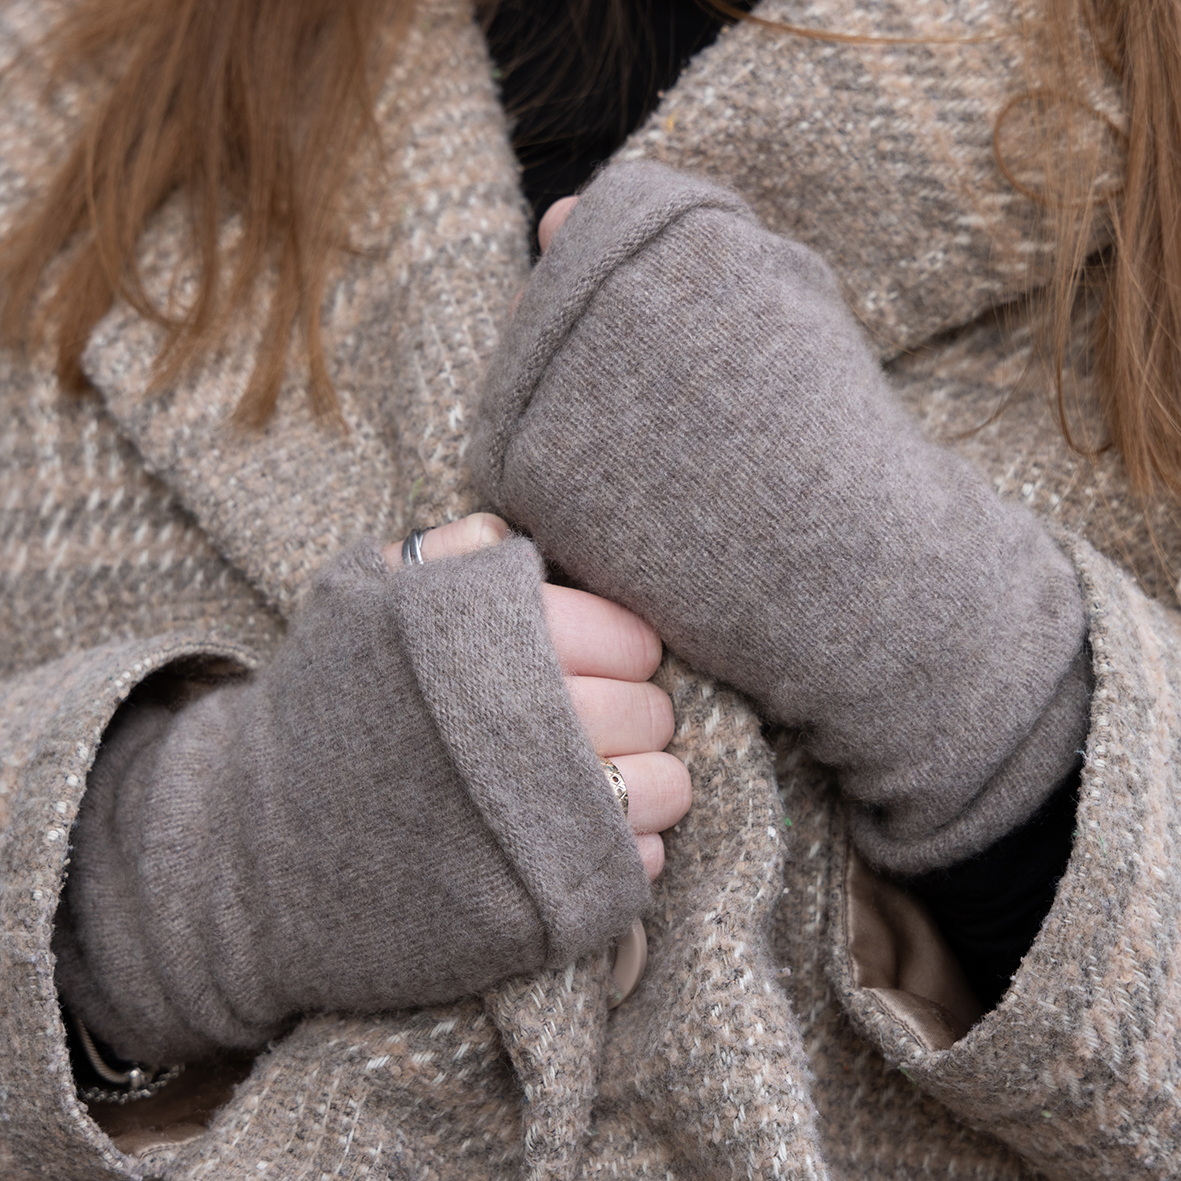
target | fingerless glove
x=402, y=808
x=686, y=417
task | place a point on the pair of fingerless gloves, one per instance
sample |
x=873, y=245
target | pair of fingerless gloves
x=402, y=808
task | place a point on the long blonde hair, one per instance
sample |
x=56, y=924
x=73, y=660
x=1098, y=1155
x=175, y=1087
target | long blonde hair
x=1138, y=342
x=254, y=105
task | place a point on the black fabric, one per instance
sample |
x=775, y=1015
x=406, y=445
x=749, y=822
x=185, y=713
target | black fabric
x=573, y=104
x=991, y=907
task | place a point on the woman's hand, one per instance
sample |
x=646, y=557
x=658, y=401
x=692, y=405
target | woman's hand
x=396, y=809
x=608, y=654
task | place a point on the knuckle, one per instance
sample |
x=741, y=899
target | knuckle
x=678, y=783
x=442, y=541
x=482, y=530
x=641, y=645
x=651, y=849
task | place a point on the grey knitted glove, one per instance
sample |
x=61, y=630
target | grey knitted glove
x=686, y=417
x=402, y=808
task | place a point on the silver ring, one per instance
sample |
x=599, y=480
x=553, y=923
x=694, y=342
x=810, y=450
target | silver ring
x=412, y=548
x=616, y=780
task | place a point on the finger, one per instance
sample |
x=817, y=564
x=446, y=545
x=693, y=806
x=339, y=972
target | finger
x=622, y=717
x=597, y=638
x=659, y=791
x=551, y=223
x=651, y=854
x=477, y=531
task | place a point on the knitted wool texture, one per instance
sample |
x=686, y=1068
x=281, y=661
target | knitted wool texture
x=737, y=1056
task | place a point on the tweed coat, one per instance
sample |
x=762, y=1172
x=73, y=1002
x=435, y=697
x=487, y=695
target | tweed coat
x=795, y=1019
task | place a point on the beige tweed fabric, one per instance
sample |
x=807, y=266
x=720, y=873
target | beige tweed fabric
x=137, y=531
x=880, y=156
x=439, y=253
x=1079, y=1064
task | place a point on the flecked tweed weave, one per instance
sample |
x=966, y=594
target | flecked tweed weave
x=135, y=531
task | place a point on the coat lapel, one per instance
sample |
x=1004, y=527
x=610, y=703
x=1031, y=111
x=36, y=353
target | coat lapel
x=409, y=319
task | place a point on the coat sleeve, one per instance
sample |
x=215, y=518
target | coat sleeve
x=52, y=719
x=1078, y=1067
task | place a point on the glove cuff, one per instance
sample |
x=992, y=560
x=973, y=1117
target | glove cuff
x=511, y=732
x=614, y=220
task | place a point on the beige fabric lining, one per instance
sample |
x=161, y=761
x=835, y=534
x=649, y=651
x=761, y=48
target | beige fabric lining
x=897, y=953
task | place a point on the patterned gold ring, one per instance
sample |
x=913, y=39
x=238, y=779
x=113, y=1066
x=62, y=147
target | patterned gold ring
x=616, y=780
